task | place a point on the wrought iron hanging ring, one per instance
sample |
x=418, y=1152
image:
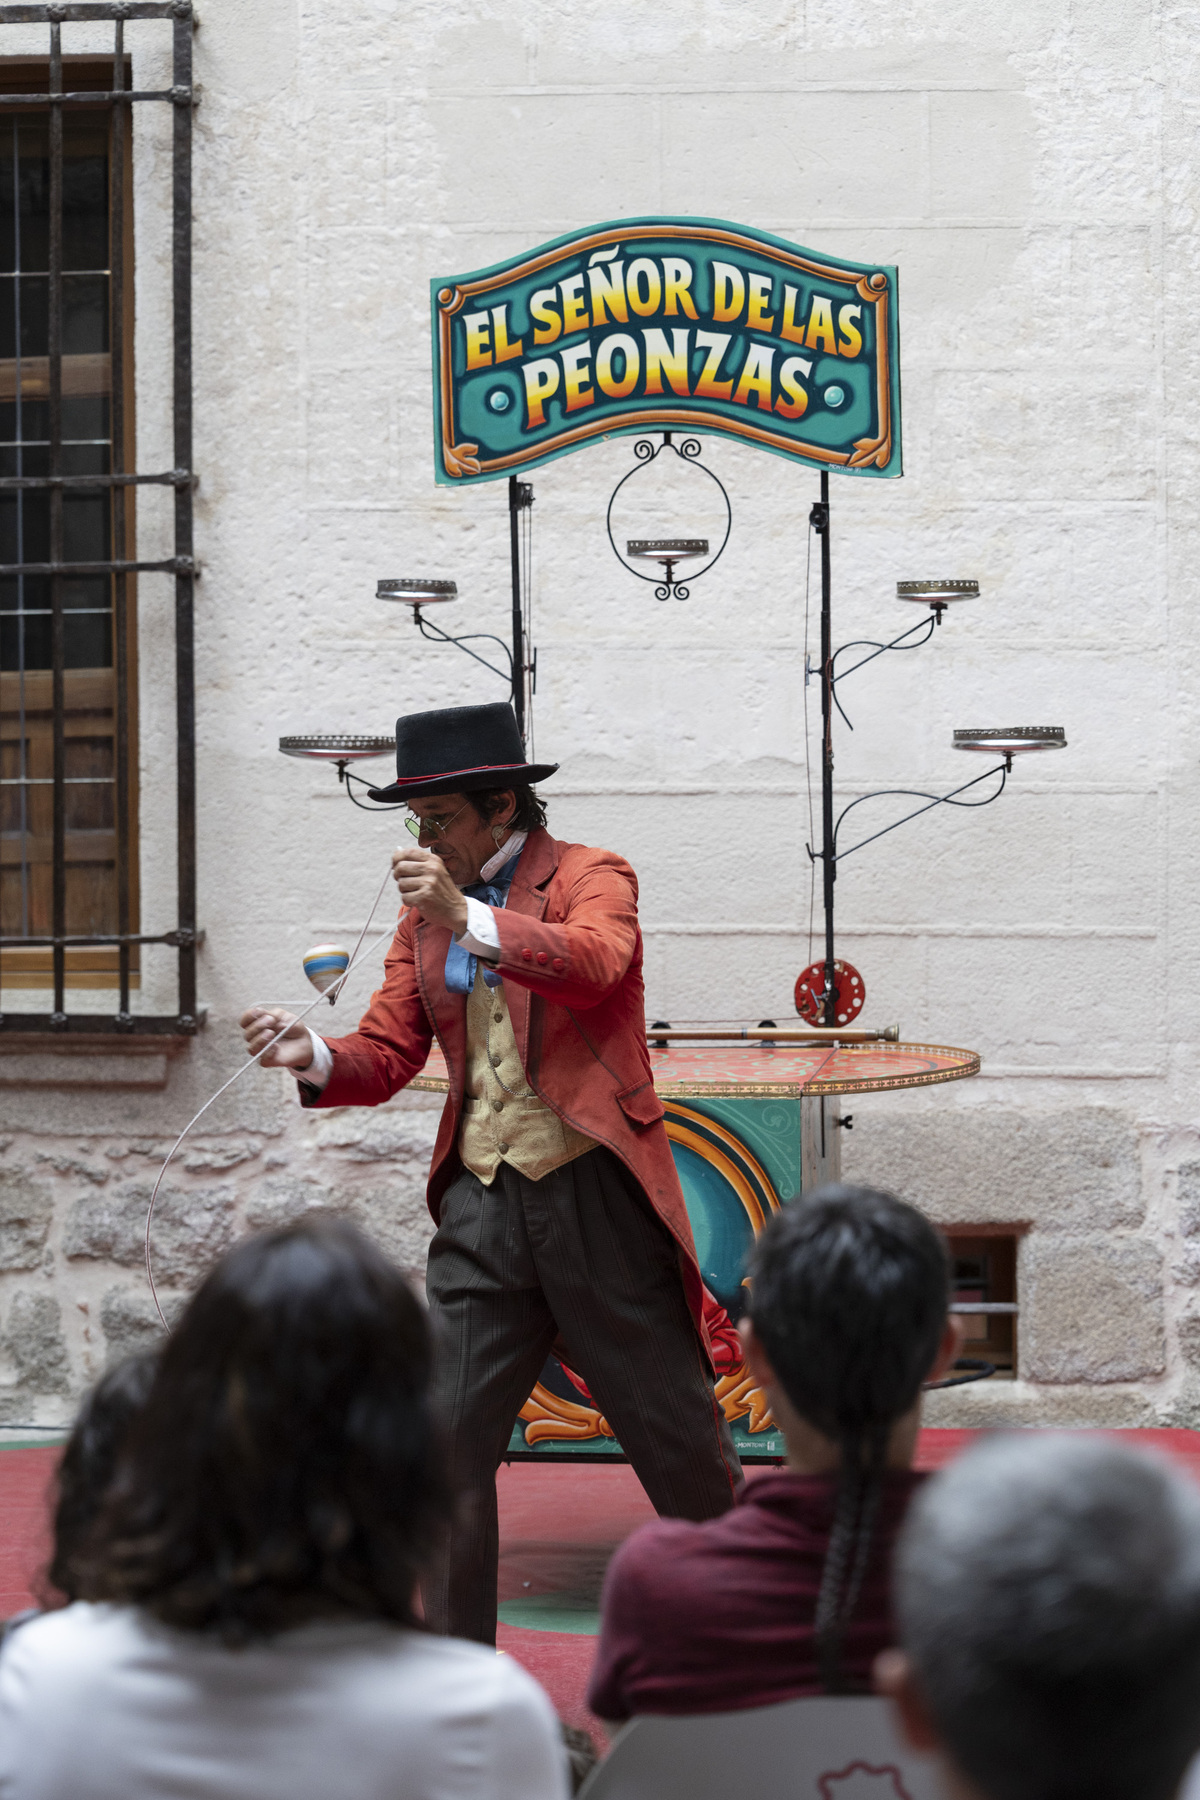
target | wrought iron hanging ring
x=689, y=452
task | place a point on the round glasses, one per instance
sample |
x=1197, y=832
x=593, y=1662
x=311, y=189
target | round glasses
x=435, y=826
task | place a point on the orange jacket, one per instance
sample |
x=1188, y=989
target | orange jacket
x=571, y=958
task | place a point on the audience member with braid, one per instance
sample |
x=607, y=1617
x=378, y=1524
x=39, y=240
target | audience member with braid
x=788, y=1594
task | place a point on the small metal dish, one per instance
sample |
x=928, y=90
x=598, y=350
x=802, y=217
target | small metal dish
x=341, y=747
x=937, y=593
x=1012, y=740
x=416, y=592
x=667, y=551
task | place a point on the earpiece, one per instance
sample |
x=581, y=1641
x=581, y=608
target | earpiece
x=497, y=834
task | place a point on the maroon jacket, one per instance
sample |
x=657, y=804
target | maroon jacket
x=719, y=1616
x=571, y=958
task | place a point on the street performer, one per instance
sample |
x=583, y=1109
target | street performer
x=560, y=1218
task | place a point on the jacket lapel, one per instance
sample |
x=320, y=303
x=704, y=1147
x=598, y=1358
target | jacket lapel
x=527, y=895
x=447, y=1012
x=539, y=860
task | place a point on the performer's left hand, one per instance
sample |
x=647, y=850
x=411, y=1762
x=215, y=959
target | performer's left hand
x=425, y=884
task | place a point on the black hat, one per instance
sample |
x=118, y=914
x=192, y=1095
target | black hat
x=459, y=750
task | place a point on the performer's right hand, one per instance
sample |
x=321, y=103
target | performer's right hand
x=294, y=1049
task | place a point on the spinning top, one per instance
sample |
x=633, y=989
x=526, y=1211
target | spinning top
x=848, y=988
x=324, y=965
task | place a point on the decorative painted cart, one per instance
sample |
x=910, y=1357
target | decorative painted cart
x=752, y=1126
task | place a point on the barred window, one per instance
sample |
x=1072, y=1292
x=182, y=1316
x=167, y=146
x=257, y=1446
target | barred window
x=70, y=939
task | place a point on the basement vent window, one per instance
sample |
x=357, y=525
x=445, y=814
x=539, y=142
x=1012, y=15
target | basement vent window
x=985, y=1295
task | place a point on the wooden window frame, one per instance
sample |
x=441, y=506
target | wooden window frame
x=99, y=965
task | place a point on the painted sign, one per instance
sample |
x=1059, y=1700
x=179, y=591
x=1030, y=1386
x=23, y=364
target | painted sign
x=649, y=324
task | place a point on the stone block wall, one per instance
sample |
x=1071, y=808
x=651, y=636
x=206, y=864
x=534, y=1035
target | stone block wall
x=1105, y=1207
x=1107, y=1210
x=73, y=1208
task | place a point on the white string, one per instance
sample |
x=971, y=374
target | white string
x=331, y=995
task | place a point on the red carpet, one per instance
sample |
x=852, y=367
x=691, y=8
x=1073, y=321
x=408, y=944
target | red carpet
x=559, y=1524
x=558, y=1528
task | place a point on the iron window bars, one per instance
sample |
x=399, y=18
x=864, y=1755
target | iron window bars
x=118, y=99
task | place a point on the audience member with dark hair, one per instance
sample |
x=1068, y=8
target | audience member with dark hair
x=1048, y=1596
x=89, y=1460
x=86, y=1469
x=248, y=1631
x=788, y=1594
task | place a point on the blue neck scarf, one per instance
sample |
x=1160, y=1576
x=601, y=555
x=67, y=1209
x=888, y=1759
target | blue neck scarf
x=460, y=964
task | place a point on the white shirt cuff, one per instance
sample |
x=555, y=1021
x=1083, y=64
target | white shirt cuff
x=481, y=937
x=320, y=1068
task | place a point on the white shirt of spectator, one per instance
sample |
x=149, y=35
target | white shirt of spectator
x=104, y=1703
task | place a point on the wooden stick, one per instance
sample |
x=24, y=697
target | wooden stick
x=890, y=1034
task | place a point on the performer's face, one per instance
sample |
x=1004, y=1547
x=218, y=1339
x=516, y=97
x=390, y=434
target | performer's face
x=453, y=830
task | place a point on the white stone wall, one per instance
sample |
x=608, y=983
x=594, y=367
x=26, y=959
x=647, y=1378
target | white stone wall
x=1032, y=171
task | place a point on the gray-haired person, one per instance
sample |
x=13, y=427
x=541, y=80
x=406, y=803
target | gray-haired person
x=1048, y=1599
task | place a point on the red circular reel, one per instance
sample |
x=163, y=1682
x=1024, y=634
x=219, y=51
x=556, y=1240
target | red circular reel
x=848, y=986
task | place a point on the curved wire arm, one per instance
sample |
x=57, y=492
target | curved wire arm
x=689, y=452
x=924, y=626
x=436, y=635
x=897, y=643
x=376, y=806
x=1002, y=769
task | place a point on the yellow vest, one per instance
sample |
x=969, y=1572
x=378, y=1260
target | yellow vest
x=503, y=1119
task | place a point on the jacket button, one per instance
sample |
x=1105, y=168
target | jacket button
x=527, y=954
x=499, y=1018
x=542, y=957
x=503, y=1148
x=494, y=1060
x=497, y=1106
x=559, y=965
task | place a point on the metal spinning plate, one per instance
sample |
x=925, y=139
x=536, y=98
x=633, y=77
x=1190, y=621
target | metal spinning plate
x=414, y=591
x=937, y=593
x=666, y=551
x=1012, y=740
x=335, y=747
